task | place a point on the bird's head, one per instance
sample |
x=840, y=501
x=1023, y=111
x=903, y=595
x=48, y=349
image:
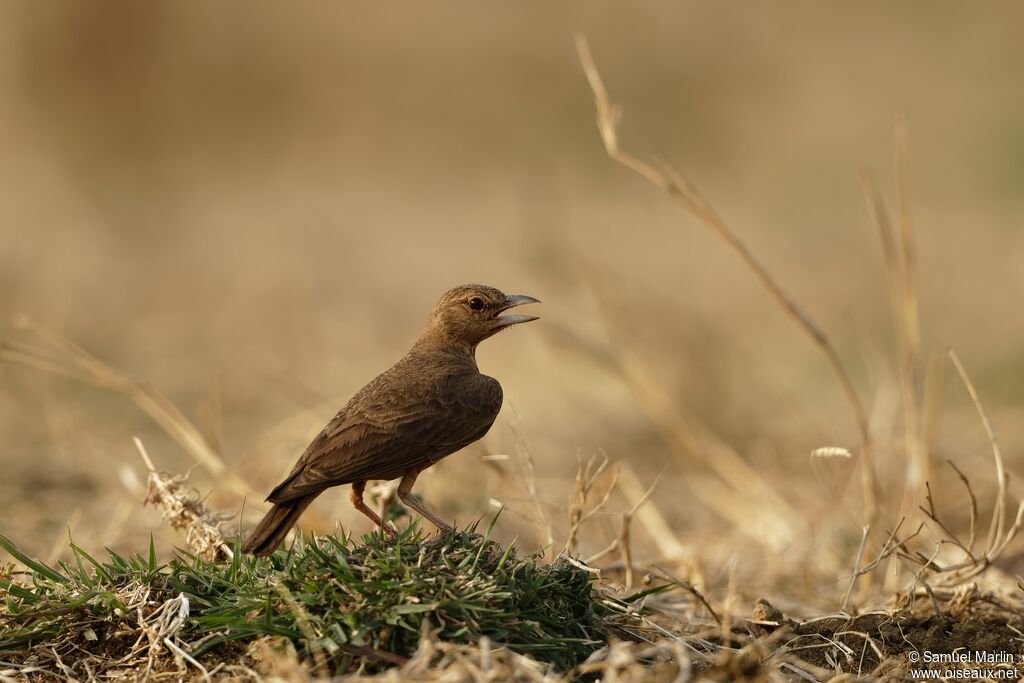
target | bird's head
x=471, y=313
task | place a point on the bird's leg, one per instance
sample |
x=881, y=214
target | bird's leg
x=357, y=501
x=405, y=494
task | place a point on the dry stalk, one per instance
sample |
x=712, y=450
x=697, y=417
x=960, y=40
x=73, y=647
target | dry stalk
x=932, y=514
x=182, y=507
x=927, y=568
x=737, y=489
x=998, y=514
x=692, y=590
x=53, y=353
x=856, y=567
x=972, y=565
x=622, y=542
x=650, y=516
x=586, y=478
x=730, y=597
x=974, y=506
x=739, y=484
x=889, y=548
x=624, y=535
x=910, y=306
x=669, y=179
x=932, y=400
x=999, y=537
x=900, y=269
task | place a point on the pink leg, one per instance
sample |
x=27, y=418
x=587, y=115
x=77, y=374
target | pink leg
x=357, y=501
x=404, y=493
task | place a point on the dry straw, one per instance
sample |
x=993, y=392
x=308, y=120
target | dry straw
x=671, y=180
x=183, y=508
x=51, y=352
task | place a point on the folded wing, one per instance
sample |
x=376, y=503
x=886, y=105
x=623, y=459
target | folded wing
x=382, y=434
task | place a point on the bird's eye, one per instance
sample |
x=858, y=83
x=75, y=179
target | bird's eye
x=476, y=303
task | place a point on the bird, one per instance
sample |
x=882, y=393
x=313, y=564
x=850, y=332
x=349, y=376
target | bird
x=433, y=402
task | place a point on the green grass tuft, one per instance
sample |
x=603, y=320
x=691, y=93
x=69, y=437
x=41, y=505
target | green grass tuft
x=339, y=602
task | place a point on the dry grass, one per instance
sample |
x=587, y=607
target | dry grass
x=147, y=622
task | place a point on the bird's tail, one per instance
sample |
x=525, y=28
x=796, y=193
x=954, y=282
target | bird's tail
x=268, y=534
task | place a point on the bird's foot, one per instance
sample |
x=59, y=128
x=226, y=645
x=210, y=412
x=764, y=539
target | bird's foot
x=389, y=531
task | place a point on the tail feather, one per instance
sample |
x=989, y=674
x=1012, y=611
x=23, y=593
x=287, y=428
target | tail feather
x=275, y=525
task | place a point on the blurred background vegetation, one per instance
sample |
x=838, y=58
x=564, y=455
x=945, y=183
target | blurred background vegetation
x=251, y=207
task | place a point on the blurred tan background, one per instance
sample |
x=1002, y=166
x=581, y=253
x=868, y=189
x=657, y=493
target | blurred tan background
x=252, y=207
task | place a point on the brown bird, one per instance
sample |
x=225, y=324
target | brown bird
x=428, y=405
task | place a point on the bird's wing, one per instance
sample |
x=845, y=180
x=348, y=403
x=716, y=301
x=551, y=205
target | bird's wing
x=389, y=432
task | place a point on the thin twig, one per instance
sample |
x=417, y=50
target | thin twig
x=692, y=590
x=910, y=307
x=995, y=531
x=56, y=354
x=678, y=187
x=586, y=477
x=902, y=297
x=856, y=567
x=974, y=505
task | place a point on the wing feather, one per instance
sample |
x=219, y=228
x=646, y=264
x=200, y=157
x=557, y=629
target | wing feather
x=389, y=429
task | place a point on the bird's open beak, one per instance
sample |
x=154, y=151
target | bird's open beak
x=512, y=301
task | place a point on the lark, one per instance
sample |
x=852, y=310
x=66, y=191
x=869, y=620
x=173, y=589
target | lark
x=430, y=404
